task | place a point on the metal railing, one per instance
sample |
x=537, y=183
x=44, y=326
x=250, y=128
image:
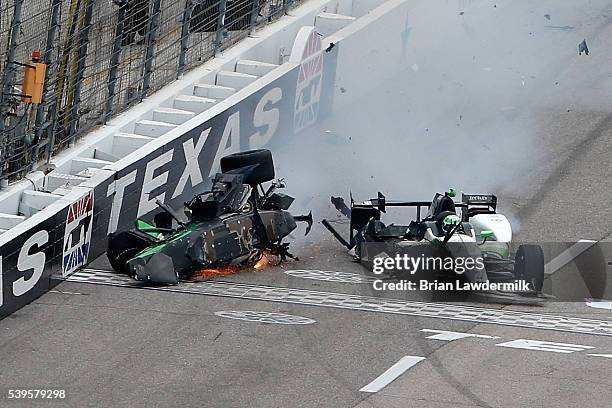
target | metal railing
x=102, y=57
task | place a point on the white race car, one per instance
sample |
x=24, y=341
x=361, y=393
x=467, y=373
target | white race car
x=471, y=228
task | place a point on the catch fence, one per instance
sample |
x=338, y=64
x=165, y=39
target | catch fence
x=102, y=57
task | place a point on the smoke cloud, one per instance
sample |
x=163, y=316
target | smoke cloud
x=473, y=105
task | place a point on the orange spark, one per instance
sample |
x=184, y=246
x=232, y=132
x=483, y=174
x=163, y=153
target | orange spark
x=204, y=274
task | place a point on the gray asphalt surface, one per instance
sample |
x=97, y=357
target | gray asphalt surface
x=542, y=146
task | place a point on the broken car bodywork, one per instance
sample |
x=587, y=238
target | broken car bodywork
x=233, y=224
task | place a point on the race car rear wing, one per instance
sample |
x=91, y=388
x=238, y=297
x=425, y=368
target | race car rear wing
x=361, y=213
x=381, y=204
x=473, y=203
x=480, y=199
x=478, y=204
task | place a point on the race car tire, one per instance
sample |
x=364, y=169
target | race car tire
x=261, y=157
x=122, y=247
x=529, y=265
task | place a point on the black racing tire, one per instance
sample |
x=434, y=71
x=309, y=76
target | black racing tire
x=122, y=247
x=529, y=265
x=261, y=157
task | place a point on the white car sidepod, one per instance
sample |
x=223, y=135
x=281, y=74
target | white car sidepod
x=498, y=223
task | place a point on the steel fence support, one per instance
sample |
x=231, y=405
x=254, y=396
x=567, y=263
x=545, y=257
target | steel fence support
x=9, y=70
x=53, y=113
x=254, y=14
x=80, y=73
x=149, y=55
x=39, y=125
x=220, y=25
x=185, y=31
x=8, y=81
x=114, y=63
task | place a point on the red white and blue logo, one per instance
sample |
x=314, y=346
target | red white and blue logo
x=307, y=50
x=77, y=238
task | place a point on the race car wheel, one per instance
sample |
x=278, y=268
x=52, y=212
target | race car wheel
x=122, y=247
x=529, y=265
x=260, y=174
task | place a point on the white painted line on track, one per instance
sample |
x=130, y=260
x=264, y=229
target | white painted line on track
x=329, y=276
x=544, y=346
x=338, y=300
x=264, y=317
x=66, y=293
x=600, y=355
x=568, y=256
x=599, y=304
x=445, y=335
x=392, y=373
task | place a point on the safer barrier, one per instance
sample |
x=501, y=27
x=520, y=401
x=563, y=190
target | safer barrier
x=175, y=165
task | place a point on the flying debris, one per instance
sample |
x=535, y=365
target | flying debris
x=338, y=202
x=582, y=47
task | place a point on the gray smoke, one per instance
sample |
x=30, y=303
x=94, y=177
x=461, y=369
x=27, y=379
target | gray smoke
x=478, y=87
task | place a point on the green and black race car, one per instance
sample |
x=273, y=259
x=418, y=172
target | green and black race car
x=232, y=224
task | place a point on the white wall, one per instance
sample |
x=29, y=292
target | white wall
x=367, y=54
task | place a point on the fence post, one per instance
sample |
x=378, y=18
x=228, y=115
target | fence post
x=82, y=53
x=114, y=63
x=8, y=80
x=53, y=110
x=220, y=25
x=39, y=125
x=151, y=39
x=286, y=5
x=254, y=14
x=185, y=31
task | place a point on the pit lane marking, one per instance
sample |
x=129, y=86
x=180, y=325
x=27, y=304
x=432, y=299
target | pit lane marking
x=338, y=300
x=264, y=317
x=392, y=373
x=544, y=346
x=568, y=256
x=445, y=335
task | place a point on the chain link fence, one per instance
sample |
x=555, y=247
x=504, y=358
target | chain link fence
x=102, y=57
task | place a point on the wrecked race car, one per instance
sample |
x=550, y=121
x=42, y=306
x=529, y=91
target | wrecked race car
x=470, y=229
x=233, y=224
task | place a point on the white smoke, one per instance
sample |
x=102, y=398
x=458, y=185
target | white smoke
x=479, y=84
